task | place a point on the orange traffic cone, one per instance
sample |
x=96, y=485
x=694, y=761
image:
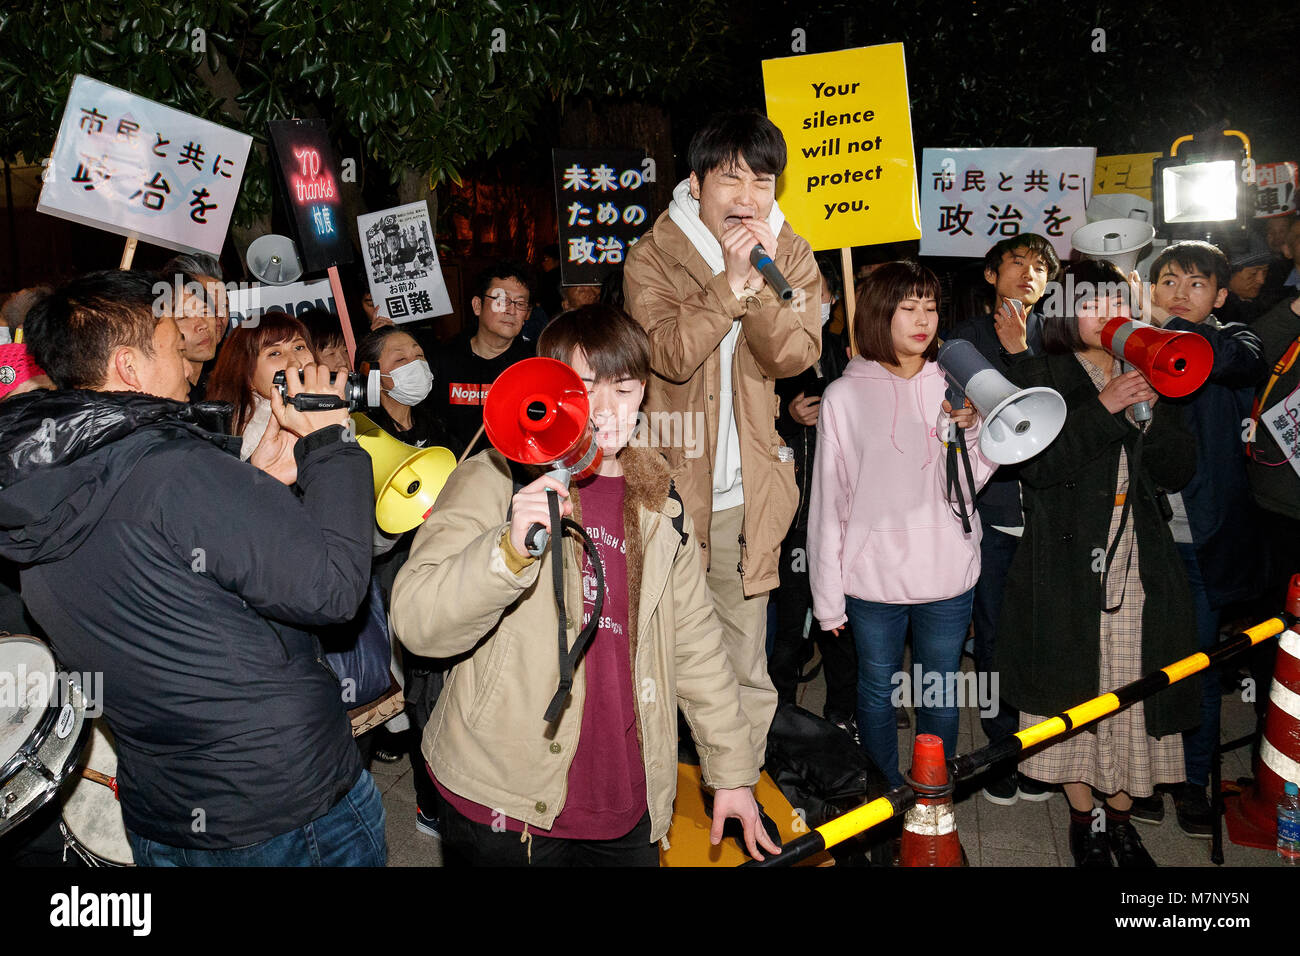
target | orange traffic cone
x=930, y=827
x=1252, y=817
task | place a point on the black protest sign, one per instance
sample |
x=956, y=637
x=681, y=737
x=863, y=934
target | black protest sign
x=309, y=186
x=603, y=198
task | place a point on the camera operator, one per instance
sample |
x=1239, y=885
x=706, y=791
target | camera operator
x=154, y=556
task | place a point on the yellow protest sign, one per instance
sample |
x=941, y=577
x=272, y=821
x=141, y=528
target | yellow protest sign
x=850, y=179
x=1124, y=173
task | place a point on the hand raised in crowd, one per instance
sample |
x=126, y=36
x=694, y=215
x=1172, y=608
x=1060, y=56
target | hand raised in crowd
x=1141, y=296
x=1009, y=323
x=1125, y=390
x=315, y=381
x=740, y=803
x=963, y=417
x=737, y=243
x=530, y=507
x=804, y=409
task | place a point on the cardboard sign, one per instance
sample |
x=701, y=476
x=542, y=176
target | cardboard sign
x=972, y=198
x=402, y=263
x=246, y=305
x=1283, y=423
x=604, y=206
x=128, y=165
x=309, y=179
x=1275, y=189
x=1124, y=173
x=849, y=179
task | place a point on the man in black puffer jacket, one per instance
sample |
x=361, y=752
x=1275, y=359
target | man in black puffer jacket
x=154, y=556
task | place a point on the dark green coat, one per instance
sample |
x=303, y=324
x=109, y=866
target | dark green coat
x=1048, y=648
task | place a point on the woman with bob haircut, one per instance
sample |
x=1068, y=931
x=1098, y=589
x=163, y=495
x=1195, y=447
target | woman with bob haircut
x=886, y=548
x=1096, y=595
x=595, y=786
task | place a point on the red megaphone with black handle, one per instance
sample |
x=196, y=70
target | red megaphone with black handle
x=1175, y=363
x=537, y=413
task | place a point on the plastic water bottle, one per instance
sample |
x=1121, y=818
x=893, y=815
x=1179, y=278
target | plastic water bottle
x=1288, y=824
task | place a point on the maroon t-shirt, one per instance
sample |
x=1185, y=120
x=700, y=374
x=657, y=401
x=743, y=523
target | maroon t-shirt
x=607, y=787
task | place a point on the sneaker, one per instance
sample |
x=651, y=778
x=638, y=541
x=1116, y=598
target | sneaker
x=426, y=824
x=1090, y=849
x=1032, y=790
x=1149, y=809
x=1002, y=790
x=1127, y=847
x=1195, y=816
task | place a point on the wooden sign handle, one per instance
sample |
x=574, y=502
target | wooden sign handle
x=128, y=253
x=350, y=340
x=850, y=299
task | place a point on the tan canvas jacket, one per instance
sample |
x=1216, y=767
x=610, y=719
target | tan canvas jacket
x=687, y=311
x=487, y=739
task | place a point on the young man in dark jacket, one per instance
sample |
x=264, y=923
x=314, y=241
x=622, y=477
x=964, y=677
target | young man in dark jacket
x=1214, y=522
x=1017, y=270
x=155, y=557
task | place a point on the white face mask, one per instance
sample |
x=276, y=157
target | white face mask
x=411, y=382
x=826, y=312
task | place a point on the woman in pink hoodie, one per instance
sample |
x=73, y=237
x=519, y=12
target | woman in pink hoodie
x=886, y=547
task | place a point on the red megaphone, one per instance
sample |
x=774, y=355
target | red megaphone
x=1175, y=363
x=537, y=413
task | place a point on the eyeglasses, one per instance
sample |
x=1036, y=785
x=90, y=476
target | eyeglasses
x=503, y=303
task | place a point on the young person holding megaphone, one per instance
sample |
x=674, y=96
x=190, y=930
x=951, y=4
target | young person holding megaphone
x=585, y=775
x=1096, y=595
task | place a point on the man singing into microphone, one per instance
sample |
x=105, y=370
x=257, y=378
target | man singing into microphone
x=720, y=336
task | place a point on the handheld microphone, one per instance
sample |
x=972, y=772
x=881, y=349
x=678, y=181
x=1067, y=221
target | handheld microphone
x=761, y=261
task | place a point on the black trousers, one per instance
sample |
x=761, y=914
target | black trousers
x=466, y=843
x=790, y=651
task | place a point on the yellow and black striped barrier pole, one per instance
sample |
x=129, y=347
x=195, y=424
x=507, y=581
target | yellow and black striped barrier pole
x=899, y=799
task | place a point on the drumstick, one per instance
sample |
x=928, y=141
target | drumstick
x=100, y=778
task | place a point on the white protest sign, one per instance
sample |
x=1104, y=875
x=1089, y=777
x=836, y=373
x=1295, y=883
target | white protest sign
x=1283, y=423
x=247, y=303
x=128, y=165
x=972, y=198
x=402, y=263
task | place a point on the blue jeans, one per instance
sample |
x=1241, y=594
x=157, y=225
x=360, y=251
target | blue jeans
x=879, y=630
x=1198, y=744
x=350, y=834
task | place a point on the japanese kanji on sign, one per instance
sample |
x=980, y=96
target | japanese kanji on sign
x=1275, y=189
x=248, y=304
x=850, y=175
x=1283, y=423
x=971, y=198
x=309, y=187
x=128, y=165
x=604, y=207
x=402, y=263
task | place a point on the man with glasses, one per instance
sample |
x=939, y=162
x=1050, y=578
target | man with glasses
x=465, y=369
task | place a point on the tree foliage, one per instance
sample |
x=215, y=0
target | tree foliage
x=411, y=84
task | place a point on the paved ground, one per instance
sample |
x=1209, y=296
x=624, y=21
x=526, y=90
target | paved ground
x=1023, y=835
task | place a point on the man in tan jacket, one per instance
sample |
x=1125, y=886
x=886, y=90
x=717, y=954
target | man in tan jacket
x=720, y=337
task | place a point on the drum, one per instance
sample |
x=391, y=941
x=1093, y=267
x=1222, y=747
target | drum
x=43, y=727
x=92, y=818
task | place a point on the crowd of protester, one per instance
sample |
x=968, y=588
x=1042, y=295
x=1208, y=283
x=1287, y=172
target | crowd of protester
x=196, y=553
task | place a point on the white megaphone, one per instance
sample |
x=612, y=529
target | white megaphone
x=274, y=259
x=1018, y=423
x=1120, y=241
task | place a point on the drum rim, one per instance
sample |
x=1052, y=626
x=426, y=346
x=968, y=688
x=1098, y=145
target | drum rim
x=16, y=761
x=61, y=771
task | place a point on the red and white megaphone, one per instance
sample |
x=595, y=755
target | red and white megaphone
x=537, y=413
x=1175, y=363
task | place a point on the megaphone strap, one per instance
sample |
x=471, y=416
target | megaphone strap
x=1257, y=408
x=1135, y=462
x=569, y=658
x=957, y=447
